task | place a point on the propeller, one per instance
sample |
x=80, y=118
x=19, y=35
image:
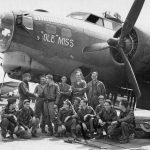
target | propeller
x=128, y=25
x=119, y=44
x=2, y=82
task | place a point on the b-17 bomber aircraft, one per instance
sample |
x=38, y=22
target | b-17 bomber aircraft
x=39, y=42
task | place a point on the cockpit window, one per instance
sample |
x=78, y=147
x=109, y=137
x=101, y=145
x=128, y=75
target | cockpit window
x=108, y=24
x=78, y=15
x=66, y=32
x=50, y=28
x=92, y=18
x=100, y=22
x=28, y=22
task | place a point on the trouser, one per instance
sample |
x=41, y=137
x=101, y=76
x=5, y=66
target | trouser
x=123, y=129
x=87, y=125
x=34, y=123
x=49, y=114
x=99, y=128
x=7, y=125
x=71, y=124
x=26, y=134
x=61, y=101
x=20, y=104
x=93, y=102
x=39, y=111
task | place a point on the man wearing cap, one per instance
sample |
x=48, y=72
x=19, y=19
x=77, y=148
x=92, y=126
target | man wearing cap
x=23, y=90
x=85, y=117
x=100, y=106
x=94, y=89
x=51, y=95
x=9, y=119
x=76, y=103
x=27, y=120
x=105, y=118
x=67, y=117
x=39, y=105
x=65, y=91
x=125, y=124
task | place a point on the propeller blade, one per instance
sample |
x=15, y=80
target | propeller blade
x=132, y=17
x=96, y=47
x=131, y=76
x=2, y=82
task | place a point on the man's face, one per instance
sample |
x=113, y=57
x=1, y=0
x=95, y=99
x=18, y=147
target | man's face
x=101, y=100
x=76, y=102
x=48, y=80
x=27, y=78
x=65, y=105
x=94, y=76
x=107, y=106
x=13, y=105
x=64, y=79
x=78, y=76
x=121, y=107
x=27, y=105
x=43, y=80
x=82, y=103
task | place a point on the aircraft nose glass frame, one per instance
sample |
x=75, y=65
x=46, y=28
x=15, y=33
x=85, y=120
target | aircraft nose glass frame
x=6, y=30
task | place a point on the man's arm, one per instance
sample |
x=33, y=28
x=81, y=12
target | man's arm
x=36, y=90
x=129, y=118
x=5, y=115
x=102, y=89
x=57, y=94
x=20, y=119
x=25, y=90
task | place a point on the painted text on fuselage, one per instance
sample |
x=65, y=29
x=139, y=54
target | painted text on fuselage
x=56, y=39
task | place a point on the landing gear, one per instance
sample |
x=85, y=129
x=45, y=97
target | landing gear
x=142, y=130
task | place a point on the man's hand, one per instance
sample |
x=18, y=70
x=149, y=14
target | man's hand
x=85, y=117
x=36, y=95
x=100, y=121
x=114, y=122
x=26, y=128
x=79, y=89
x=10, y=115
x=66, y=119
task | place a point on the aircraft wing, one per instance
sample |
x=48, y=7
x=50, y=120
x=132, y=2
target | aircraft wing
x=8, y=87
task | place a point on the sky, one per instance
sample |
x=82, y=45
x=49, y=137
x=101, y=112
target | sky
x=64, y=7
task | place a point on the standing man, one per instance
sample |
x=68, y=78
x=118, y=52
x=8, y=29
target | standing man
x=51, y=94
x=23, y=89
x=95, y=88
x=79, y=86
x=65, y=91
x=39, y=105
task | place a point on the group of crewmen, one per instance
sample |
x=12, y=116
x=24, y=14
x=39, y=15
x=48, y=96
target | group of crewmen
x=77, y=110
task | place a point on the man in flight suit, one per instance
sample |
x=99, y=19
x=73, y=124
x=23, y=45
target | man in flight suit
x=23, y=90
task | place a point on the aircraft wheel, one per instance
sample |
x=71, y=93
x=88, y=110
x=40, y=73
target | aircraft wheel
x=145, y=126
x=143, y=130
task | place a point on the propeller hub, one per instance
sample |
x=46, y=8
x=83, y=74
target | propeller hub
x=6, y=30
x=113, y=42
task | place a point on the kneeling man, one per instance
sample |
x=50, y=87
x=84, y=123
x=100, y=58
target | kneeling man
x=125, y=124
x=27, y=119
x=67, y=118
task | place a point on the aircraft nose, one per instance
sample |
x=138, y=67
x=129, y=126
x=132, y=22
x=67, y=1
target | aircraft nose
x=6, y=30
